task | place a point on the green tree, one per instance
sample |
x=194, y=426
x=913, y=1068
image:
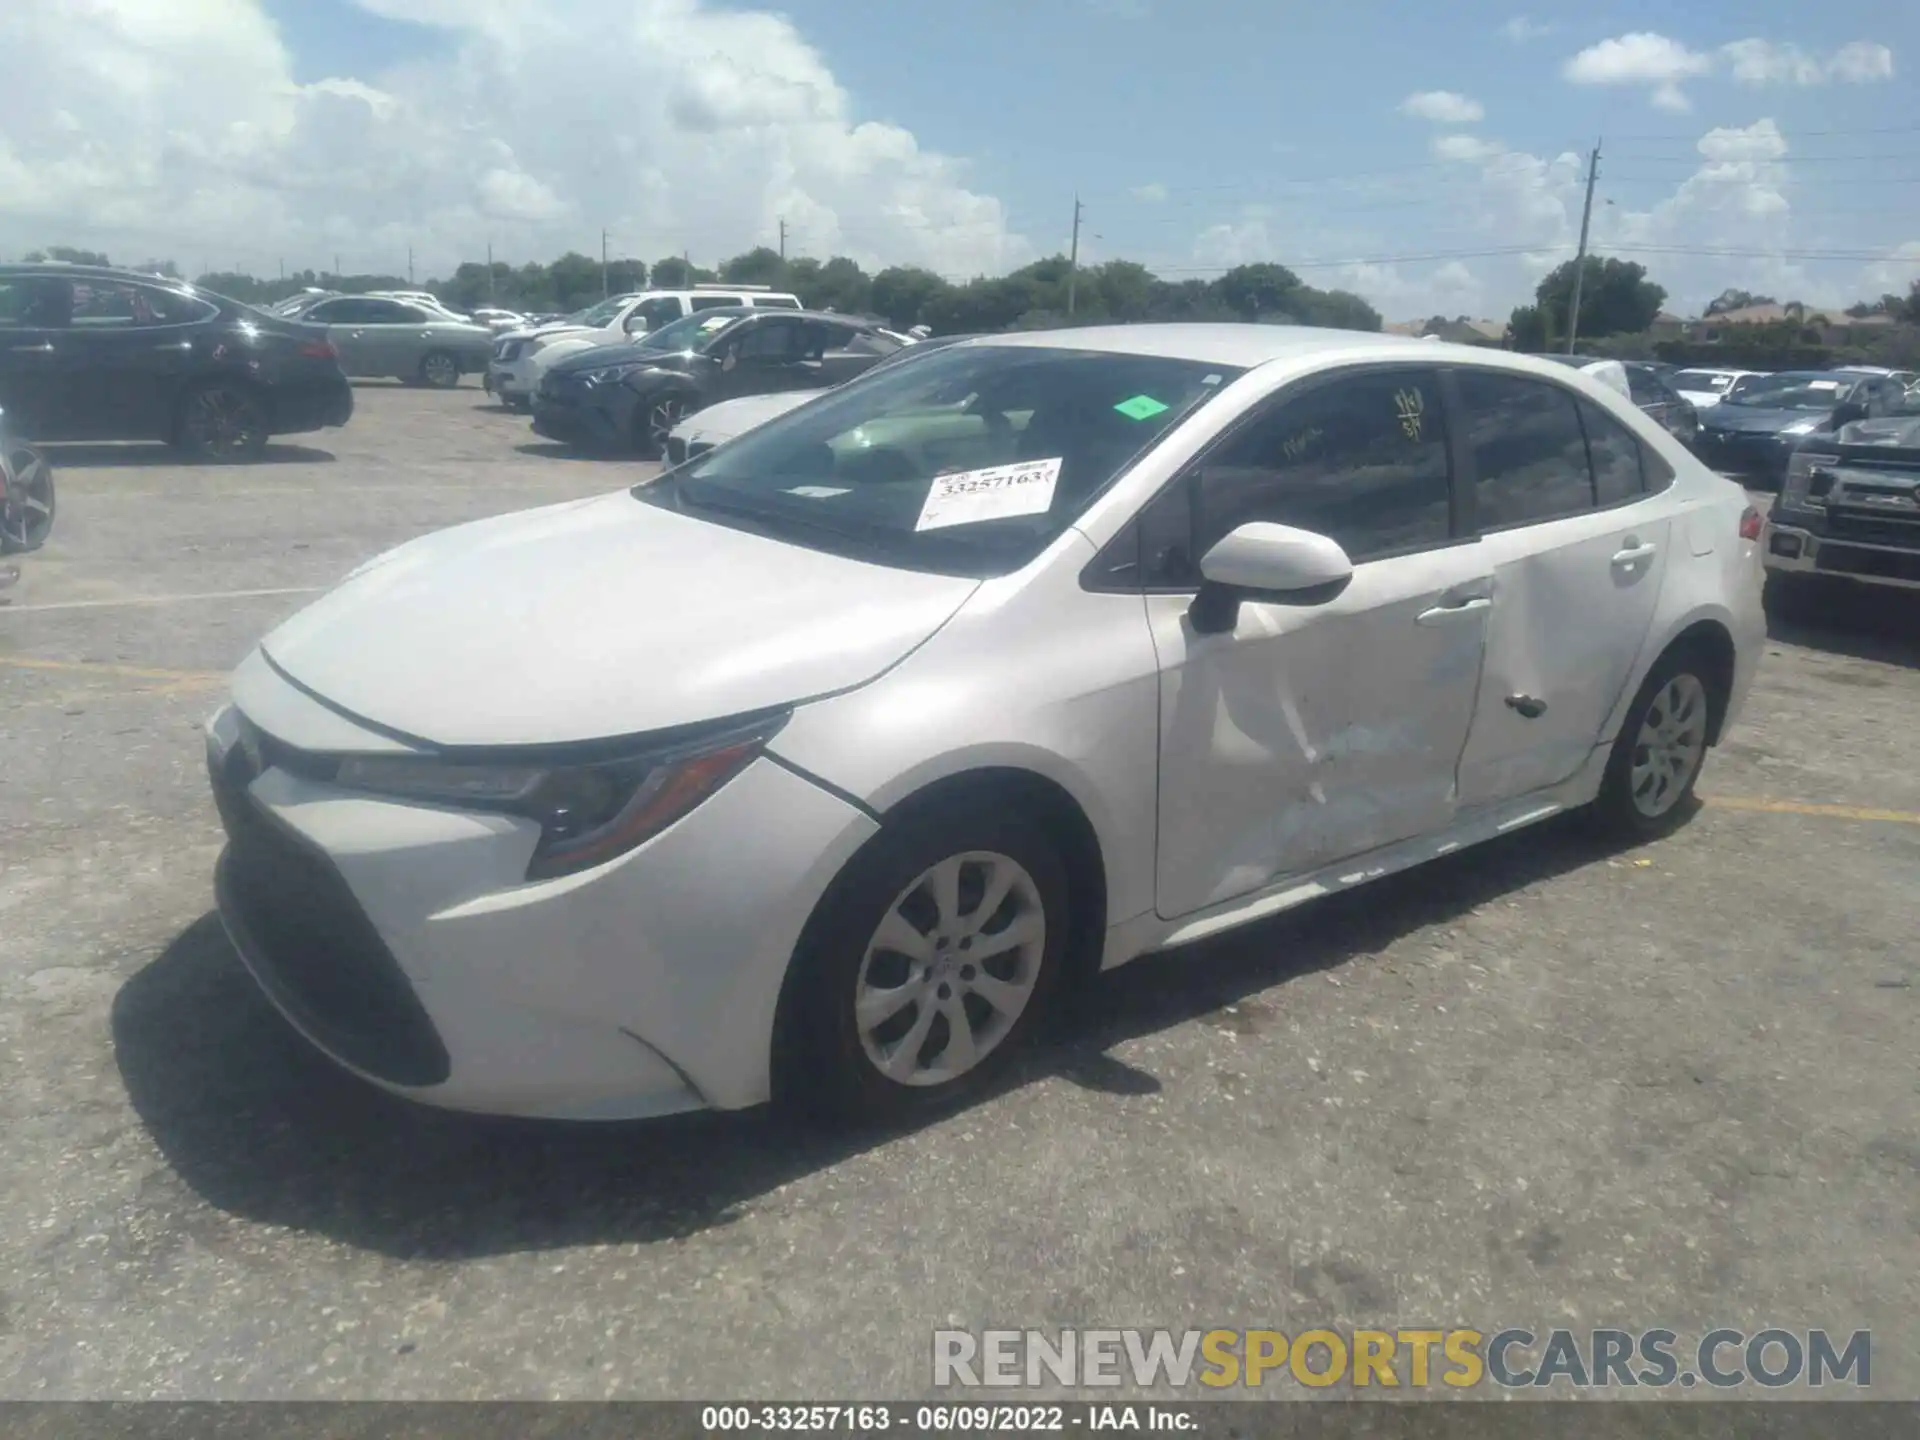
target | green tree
x=903, y=294
x=839, y=285
x=575, y=280
x=1124, y=289
x=1616, y=298
x=66, y=254
x=1727, y=300
x=1259, y=291
x=1337, y=310
x=759, y=266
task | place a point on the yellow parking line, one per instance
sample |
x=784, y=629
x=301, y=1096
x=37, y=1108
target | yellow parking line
x=170, y=680
x=1824, y=812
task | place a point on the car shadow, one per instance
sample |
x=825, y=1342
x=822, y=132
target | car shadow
x=1866, y=622
x=136, y=454
x=260, y=1126
x=554, y=450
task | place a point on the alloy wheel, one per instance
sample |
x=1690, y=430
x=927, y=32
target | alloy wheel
x=1670, y=747
x=224, y=423
x=662, y=416
x=950, y=968
x=26, y=516
x=440, y=370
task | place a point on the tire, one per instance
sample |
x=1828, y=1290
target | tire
x=439, y=370
x=26, y=514
x=655, y=420
x=222, y=422
x=898, y=1060
x=1647, y=791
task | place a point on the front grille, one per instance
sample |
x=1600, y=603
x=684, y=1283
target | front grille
x=1873, y=529
x=312, y=946
x=1880, y=564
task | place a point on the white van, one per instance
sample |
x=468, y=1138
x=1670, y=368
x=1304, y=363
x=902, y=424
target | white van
x=519, y=356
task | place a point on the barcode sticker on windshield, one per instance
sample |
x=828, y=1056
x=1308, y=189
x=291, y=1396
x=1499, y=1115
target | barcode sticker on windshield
x=999, y=492
x=817, y=492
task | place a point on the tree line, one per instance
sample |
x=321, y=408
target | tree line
x=1047, y=293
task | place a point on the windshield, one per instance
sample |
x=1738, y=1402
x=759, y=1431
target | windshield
x=596, y=315
x=1713, y=381
x=1810, y=390
x=969, y=461
x=688, y=331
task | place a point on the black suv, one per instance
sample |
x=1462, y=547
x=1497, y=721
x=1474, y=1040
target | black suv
x=630, y=395
x=88, y=353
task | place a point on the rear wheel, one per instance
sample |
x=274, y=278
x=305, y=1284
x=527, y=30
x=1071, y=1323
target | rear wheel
x=931, y=960
x=439, y=369
x=222, y=421
x=26, y=512
x=1648, y=787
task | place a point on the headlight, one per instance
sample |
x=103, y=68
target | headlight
x=612, y=374
x=589, y=811
x=1809, y=478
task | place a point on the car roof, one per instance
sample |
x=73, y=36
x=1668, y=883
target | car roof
x=95, y=272
x=1240, y=343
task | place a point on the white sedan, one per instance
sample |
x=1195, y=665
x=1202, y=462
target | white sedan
x=819, y=767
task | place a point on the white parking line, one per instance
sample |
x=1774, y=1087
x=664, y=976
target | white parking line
x=160, y=599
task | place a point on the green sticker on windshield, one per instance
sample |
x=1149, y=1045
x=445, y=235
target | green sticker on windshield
x=1140, y=407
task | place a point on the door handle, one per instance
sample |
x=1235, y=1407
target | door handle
x=45, y=347
x=1458, y=609
x=175, y=345
x=357, y=335
x=1632, y=553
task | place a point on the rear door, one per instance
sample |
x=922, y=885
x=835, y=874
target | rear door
x=850, y=350
x=1577, y=545
x=345, y=320
x=34, y=311
x=133, y=354
x=769, y=354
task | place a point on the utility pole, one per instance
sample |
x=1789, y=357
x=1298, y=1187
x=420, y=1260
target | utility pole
x=783, y=241
x=409, y=267
x=1580, y=260
x=336, y=267
x=1073, y=256
x=489, y=272
x=605, y=289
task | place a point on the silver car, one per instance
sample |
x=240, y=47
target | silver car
x=376, y=336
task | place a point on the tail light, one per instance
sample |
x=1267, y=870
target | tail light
x=319, y=350
x=1751, y=523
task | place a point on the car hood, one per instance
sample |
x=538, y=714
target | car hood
x=600, y=618
x=737, y=416
x=1894, y=432
x=1750, y=421
x=624, y=352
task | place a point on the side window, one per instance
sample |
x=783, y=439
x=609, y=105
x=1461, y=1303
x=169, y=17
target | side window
x=1361, y=458
x=36, y=302
x=866, y=342
x=652, y=314
x=713, y=302
x=1529, y=453
x=1616, y=456
x=774, y=340
x=774, y=302
x=1644, y=389
x=389, y=312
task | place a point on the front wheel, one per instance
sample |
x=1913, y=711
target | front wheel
x=223, y=422
x=26, y=511
x=661, y=415
x=1648, y=787
x=440, y=370
x=931, y=960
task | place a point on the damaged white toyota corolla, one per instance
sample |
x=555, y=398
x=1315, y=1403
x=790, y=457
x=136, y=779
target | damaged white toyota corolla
x=818, y=767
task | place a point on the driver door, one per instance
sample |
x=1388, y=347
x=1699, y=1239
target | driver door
x=1310, y=733
x=768, y=354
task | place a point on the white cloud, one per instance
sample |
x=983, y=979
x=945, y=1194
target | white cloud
x=112, y=137
x=1152, y=194
x=1464, y=147
x=1521, y=30
x=1443, y=107
x=1768, y=62
x=1661, y=64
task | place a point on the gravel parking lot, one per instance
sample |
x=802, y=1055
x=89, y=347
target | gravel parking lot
x=1537, y=1084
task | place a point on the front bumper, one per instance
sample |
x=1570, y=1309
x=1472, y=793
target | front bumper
x=406, y=943
x=511, y=379
x=1735, y=452
x=597, y=415
x=1864, y=550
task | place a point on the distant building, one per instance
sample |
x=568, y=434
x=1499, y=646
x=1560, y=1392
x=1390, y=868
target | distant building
x=1460, y=330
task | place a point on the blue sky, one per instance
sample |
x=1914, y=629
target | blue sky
x=1197, y=135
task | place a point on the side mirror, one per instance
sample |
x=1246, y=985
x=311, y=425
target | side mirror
x=1848, y=411
x=636, y=325
x=1275, y=563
